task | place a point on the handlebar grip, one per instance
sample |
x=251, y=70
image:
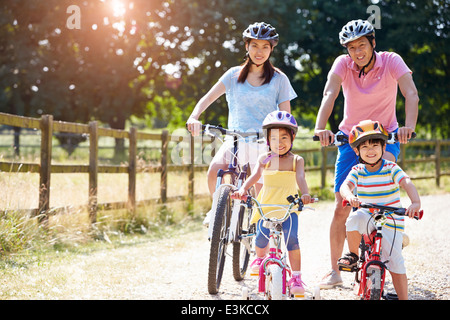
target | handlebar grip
x=244, y=197
x=419, y=216
x=316, y=138
x=345, y=203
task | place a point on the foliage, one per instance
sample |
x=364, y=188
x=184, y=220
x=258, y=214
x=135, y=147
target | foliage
x=157, y=58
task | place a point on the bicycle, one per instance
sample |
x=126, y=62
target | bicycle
x=230, y=220
x=370, y=271
x=274, y=269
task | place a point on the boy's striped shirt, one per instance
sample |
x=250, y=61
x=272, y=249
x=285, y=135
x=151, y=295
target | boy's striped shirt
x=380, y=187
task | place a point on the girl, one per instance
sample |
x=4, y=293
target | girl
x=253, y=90
x=283, y=175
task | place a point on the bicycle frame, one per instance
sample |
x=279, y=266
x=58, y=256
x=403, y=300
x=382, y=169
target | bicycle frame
x=370, y=271
x=371, y=266
x=276, y=255
x=236, y=174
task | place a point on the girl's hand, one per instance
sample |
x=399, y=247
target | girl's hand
x=239, y=193
x=306, y=198
x=413, y=210
x=354, y=201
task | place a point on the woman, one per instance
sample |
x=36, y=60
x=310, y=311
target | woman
x=252, y=90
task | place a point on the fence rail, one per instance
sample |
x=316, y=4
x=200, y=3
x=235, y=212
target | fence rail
x=45, y=168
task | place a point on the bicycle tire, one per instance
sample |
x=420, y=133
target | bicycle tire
x=374, y=283
x=219, y=241
x=274, y=285
x=241, y=254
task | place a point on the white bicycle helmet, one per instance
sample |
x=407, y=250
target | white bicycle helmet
x=280, y=119
x=355, y=29
x=261, y=31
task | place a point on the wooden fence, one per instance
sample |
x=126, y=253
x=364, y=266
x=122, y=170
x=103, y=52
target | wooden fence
x=48, y=126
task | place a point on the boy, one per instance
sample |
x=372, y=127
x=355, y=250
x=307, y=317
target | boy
x=377, y=181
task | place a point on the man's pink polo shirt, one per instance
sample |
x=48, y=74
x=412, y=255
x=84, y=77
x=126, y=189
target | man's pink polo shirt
x=373, y=96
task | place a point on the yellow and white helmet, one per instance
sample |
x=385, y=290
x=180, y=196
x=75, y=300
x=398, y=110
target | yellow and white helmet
x=366, y=130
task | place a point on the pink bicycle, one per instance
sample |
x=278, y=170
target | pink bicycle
x=275, y=271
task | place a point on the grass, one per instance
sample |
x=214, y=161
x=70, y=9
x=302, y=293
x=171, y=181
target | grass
x=20, y=233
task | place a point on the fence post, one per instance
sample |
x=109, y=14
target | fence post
x=324, y=167
x=132, y=170
x=438, y=162
x=93, y=170
x=402, y=158
x=191, y=172
x=46, y=125
x=164, y=151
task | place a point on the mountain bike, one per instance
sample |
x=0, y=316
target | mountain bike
x=370, y=271
x=275, y=271
x=229, y=221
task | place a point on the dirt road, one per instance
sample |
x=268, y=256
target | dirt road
x=176, y=268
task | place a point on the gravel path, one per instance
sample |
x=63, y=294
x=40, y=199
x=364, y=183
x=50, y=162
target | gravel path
x=176, y=268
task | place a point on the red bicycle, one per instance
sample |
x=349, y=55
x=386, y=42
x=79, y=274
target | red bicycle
x=370, y=271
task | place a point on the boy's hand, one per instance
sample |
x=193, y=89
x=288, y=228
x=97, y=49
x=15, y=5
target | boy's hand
x=413, y=210
x=354, y=201
x=306, y=198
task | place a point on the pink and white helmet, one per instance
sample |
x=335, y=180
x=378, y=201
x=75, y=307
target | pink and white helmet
x=280, y=119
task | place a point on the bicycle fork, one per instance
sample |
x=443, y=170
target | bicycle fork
x=373, y=270
x=274, y=257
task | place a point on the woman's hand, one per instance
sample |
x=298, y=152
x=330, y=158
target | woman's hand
x=194, y=126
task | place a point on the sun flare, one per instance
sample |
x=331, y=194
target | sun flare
x=118, y=8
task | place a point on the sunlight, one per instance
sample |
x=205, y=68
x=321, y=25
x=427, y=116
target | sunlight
x=118, y=8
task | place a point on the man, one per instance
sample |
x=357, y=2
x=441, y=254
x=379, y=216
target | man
x=369, y=81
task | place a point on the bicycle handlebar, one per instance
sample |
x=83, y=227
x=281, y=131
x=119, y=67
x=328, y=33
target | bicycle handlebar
x=341, y=139
x=383, y=209
x=293, y=200
x=206, y=128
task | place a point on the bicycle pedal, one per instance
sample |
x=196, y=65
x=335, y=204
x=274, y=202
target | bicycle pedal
x=298, y=296
x=254, y=274
x=348, y=269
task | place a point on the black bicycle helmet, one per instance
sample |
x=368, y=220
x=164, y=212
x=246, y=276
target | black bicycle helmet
x=261, y=31
x=355, y=29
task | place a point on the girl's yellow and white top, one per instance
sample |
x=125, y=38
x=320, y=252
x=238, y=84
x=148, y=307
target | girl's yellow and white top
x=277, y=186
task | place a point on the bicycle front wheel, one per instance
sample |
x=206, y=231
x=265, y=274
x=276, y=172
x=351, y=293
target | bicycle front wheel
x=219, y=240
x=374, y=283
x=274, y=283
x=243, y=248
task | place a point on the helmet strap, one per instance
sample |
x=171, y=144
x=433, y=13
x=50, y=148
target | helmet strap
x=247, y=56
x=363, y=72
x=272, y=155
x=370, y=164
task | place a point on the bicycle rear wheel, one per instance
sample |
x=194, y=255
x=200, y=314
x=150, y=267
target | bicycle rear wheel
x=219, y=240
